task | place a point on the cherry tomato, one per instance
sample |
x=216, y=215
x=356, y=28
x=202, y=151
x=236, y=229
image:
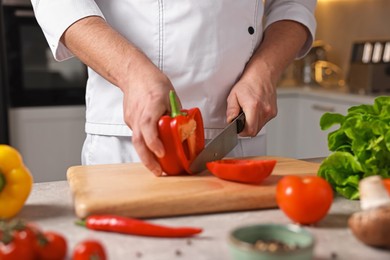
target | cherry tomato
x=19, y=248
x=305, y=200
x=242, y=170
x=17, y=241
x=89, y=249
x=51, y=246
x=26, y=237
x=386, y=182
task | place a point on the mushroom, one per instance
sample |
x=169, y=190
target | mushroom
x=372, y=224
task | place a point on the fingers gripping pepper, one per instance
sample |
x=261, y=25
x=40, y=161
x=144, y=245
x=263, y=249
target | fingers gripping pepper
x=15, y=182
x=182, y=135
x=119, y=224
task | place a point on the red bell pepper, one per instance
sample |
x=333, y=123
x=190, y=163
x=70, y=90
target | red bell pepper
x=386, y=182
x=242, y=170
x=182, y=135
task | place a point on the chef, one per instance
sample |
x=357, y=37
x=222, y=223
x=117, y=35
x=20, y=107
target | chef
x=222, y=56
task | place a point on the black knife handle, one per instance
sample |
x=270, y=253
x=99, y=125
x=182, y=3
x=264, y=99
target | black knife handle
x=240, y=122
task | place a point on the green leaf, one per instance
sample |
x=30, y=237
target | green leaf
x=361, y=146
x=329, y=119
x=337, y=139
x=343, y=172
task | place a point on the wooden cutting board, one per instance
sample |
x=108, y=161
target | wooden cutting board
x=131, y=190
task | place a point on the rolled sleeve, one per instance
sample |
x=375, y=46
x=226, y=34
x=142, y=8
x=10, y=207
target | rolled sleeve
x=55, y=16
x=299, y=11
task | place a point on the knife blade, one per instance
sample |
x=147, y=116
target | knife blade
x=221, y=145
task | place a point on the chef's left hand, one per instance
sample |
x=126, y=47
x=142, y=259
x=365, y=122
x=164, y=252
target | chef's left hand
x=257, y=99
x=255, y=92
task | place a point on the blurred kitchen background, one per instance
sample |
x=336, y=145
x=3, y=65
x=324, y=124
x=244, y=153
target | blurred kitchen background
x=341, y=23
x=42, y=101
x=346, y=30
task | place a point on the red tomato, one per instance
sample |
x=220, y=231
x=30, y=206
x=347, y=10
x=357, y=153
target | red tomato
x=305, y=200
x=26, y=237
x=21, y=247
x=17, y=241
x=51, y=246
x=89, y=249
x=386, y=182
x=246, y=171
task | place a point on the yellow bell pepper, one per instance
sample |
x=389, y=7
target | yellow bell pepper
x=15, y=182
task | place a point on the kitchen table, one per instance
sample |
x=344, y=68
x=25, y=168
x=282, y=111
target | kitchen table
x=50, y=206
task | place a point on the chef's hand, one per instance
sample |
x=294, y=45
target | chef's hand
x=146, y=99
x=255, y=92
x=145, y=87
x=257, y=99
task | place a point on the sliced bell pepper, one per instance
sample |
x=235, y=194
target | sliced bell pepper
x=242, y=170
x=386, y=182
x=15, y=182
x=182, y=135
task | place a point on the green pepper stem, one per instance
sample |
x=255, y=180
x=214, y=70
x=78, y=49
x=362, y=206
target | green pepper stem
x=175, y=110
x=81, y=222
x=2, y=181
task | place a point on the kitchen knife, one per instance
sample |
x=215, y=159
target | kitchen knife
x=221, y=145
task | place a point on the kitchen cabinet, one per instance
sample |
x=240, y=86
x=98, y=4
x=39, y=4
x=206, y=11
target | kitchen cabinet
x=281, y=132
x=296, y=132
x=312, y=141
x=50, y=139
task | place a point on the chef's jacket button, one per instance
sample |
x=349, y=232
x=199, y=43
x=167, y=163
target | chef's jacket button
x=251, y=30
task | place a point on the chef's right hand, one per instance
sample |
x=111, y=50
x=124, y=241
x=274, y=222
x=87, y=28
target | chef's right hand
x=145, y=87
x=146, y=99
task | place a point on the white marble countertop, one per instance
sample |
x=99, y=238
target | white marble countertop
x=334, y=94
x=50, y=206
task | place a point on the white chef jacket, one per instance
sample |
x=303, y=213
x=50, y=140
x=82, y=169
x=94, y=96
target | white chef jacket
x=201, y=45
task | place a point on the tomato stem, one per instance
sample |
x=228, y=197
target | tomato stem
x=5, y=231
x=42, y=239
x=95, y=256
x=7, y=237
x=17, y=224
x=3, y=181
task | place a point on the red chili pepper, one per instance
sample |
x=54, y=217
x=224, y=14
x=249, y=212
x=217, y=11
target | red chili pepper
x=182, y=135
x=119, y=224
